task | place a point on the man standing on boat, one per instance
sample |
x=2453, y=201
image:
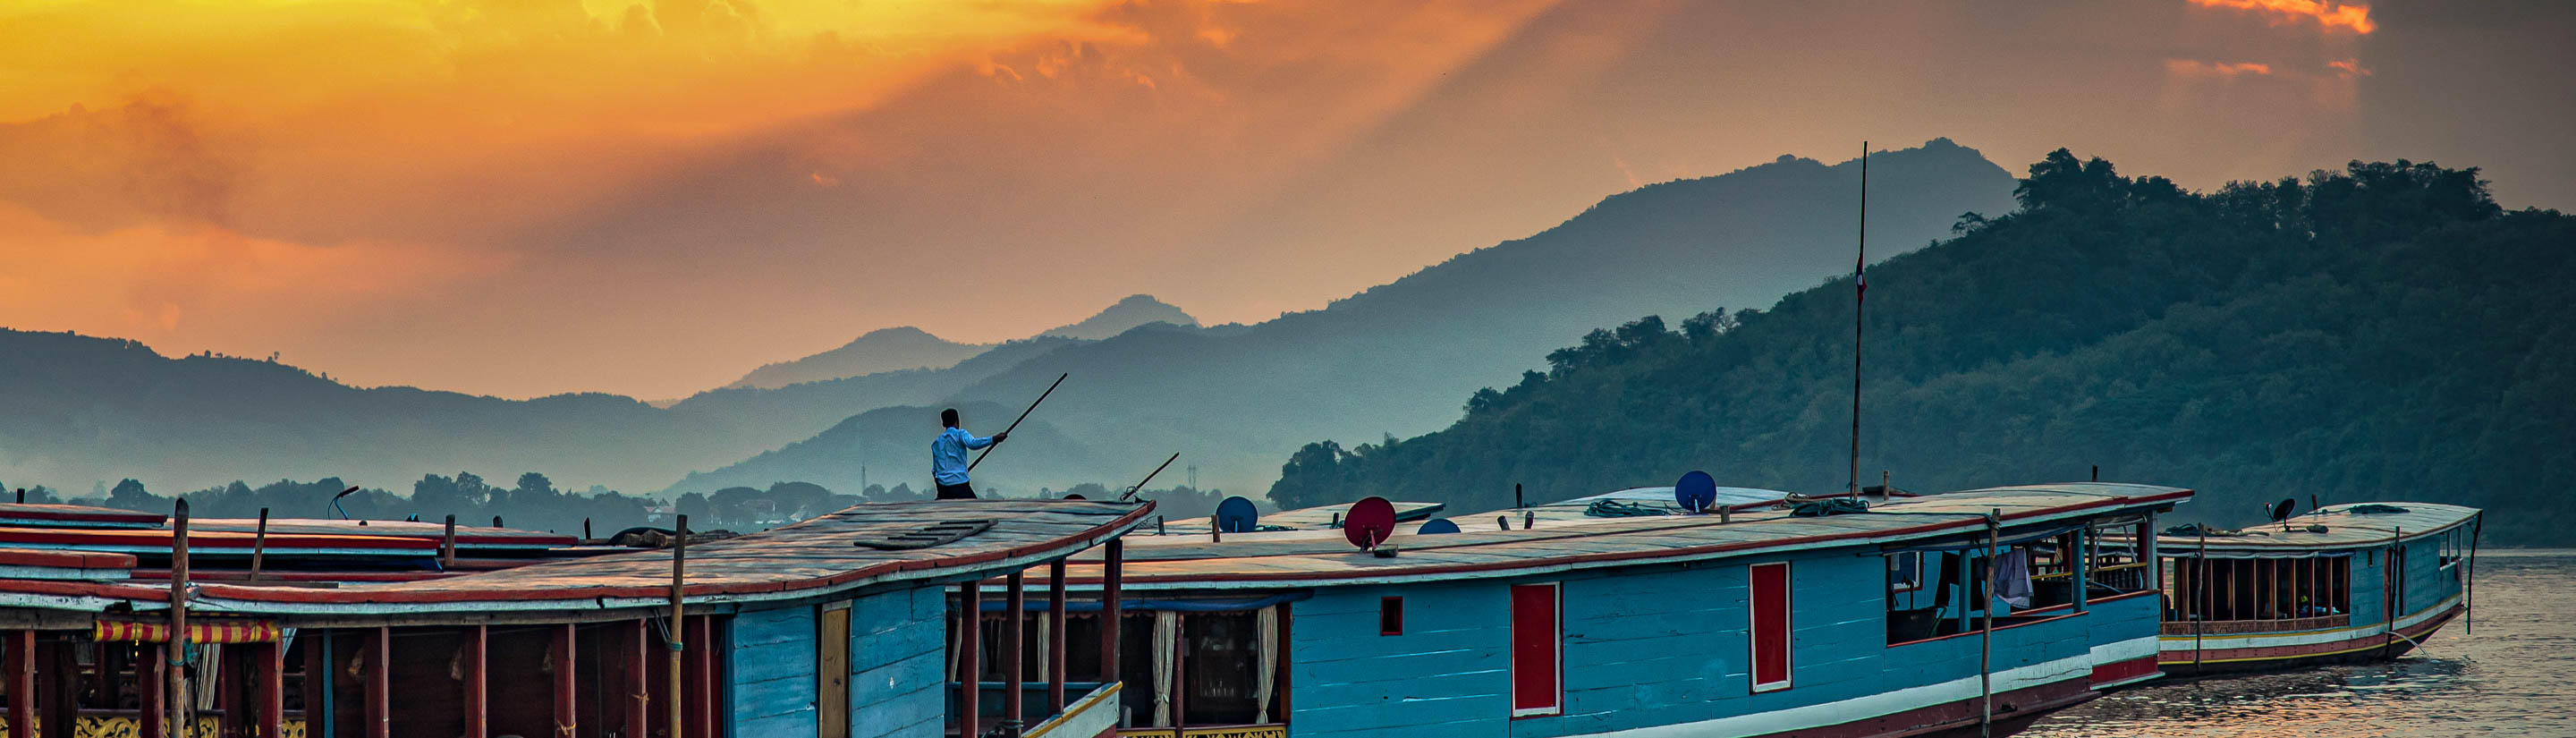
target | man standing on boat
x=948, y=456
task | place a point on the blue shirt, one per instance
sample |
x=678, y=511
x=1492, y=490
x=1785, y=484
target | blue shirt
x=948, y=454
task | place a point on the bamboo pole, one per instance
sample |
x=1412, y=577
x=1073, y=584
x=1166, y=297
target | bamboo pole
x=1986, y=641
x=178, y=699
x=679, y=572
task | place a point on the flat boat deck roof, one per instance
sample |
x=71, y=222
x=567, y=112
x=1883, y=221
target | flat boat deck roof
x=2344, y=529
x=1295, y=558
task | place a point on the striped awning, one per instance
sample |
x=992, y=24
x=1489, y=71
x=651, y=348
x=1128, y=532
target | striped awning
x=220, y=631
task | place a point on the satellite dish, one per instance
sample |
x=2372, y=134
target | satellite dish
x=2281, y=510
x=1696, y=491
x=1369, y=522
x=1076, y=496
x=1236, y=515
x=1437, y=525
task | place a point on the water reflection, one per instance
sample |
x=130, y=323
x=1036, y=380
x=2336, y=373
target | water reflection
x=2508, y=679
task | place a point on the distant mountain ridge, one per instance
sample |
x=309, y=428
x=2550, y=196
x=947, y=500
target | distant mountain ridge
x=1398, y=358
x=1126, y=315
x=904, y=348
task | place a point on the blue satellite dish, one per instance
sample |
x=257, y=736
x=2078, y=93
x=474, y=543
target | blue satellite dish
x=1236, y=515
x=1696, y=492
x=1437, y=525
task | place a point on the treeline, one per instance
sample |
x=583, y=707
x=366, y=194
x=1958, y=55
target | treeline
x=2382, y=332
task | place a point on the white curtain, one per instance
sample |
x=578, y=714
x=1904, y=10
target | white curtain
x=1268, y=624
x=1046, y=671
x=1167, y=636
x=210, y=662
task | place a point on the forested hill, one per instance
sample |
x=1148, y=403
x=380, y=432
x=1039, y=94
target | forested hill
x=2385, y=332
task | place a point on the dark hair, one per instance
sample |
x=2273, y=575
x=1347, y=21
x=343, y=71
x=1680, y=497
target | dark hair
x=948, y=418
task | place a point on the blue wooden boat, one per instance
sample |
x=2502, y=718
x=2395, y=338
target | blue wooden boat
x=2345, y=583
x=1756, y=623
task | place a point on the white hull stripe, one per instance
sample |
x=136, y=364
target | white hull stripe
x=2182, y=644
x=1806, y=717
x=2128, y=650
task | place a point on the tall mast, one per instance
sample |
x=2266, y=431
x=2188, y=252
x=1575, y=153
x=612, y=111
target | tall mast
x=1860, y=288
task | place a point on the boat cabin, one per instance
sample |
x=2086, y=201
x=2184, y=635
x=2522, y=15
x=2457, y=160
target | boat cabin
x=2343, y=583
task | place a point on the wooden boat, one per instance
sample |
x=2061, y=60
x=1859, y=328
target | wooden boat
x=1864, y=624
x=829, y=627
x=2342, y=584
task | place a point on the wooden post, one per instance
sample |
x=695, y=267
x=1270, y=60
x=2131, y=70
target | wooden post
x=1014, y=660
x=379, y=653
x=59, y=689
x=970, y=674
x=272, y=689
x=179, y=704
x=1180, y=662
x=1111, y=609
x=639, y=680
x=22, y=684
x=259, y=544
x=678, y=622
x=2469, y=586
x=1055, y=636
x=559, y=655
x=478, y=668
x=148, y=668
x=447, y=546
x=702, y=676
x=1986, y=642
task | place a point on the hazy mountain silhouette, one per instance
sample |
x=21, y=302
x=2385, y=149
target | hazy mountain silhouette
x=1127, y=314
x=880, y=350
x=1398, y=358
x=905, y=347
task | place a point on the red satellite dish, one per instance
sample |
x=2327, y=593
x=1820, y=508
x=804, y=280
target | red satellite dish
x=1369, y=522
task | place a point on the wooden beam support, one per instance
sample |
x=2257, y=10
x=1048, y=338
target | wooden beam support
x=379, y=652
x=271, y=689
x=703, y=693
x=559, y=656
x=148, y=669
x=22, y=683
x=1111, y=609
x=1014, y=657
x=59, y=680
x=639, y=680
x=970, y=674
x=1055, y=637
x=478, y=668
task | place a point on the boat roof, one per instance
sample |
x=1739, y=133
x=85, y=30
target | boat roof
x=808, y=559
x=1660, y=498
x=2344, y=528
x=35, y=515
x=1314, y=558
x=1316, y=518
x=467, y=537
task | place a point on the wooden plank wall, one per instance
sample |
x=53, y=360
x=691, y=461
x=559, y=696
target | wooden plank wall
x=772, y=671
x=1642, y=648
x=898, y=653
x=1448, y=675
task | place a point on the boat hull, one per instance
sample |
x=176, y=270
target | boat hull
x=2290, y=650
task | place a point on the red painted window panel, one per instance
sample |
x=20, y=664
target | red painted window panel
x=1537, y=638
x=1770, y=626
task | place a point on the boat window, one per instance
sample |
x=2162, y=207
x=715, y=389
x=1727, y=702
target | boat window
x=1950, y=594
x=2116, y=563
x=1904, y=572
x=2249, y=594
x=1390, y=616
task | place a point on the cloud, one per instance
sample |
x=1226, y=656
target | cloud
x=2326, y=13
x=2198, y=68
x=2348, y=68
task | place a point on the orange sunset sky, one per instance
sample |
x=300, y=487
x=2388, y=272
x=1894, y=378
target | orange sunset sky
x=524, y=197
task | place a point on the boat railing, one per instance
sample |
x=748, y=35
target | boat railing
x=2227, y=627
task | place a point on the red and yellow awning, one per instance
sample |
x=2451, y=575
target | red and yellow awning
x=219, y=631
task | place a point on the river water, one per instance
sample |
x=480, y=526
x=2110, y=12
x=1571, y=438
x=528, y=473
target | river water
x=2515, y=676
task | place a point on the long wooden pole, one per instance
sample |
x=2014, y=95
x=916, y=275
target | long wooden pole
x=22, y=684
x=178, y=699
x=259, y=544
x=477, y=668
x=1055, y=636
x=970, y=668
x=675, y=633
x=1986, y=642
x=1015, y=422
x=1112, y=609
x=1014, y=660
x=2469, y=614
x=1860, y=288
